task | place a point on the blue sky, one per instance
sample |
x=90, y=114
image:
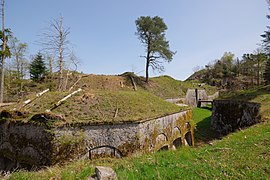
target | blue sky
x=103, y=31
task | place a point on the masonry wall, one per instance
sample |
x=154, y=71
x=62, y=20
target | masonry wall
x=124, y=139
x=24, y=144
x=230, y=115
x=30, y=144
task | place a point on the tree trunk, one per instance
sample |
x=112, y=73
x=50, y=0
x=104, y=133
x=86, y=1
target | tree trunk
x=61, y=55
x=146, y=71
x=50, y=66
x=147, y=63
x=3, y=57
x=258, y=71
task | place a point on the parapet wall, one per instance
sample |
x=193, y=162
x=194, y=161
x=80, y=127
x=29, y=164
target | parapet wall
x=230, y=115
x=26, y=144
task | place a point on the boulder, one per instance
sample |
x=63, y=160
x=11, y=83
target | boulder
x=105, y=173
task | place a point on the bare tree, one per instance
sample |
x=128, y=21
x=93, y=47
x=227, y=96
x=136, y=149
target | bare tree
x=18, y=51
x=55, y=41
x=72, y=66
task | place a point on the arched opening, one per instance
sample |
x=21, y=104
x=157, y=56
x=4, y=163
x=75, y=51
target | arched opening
x=164, y=148
x=177, y=142
x=176, y=135
x=188, y=138
x=104, y=151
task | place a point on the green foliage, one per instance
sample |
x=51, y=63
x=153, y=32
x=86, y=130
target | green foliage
x=266, y=35
x=7, y=34
x=37, y=68
x=267, y=72
x=18, y=51
x=151, y=33
x=231, y=73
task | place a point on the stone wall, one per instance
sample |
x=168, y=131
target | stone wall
x=230, y=115
x=29, y=144
x=24, y=144
x=124, y=139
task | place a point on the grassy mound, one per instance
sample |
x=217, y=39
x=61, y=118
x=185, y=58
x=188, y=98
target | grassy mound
x=95, y=107
x=167, y=87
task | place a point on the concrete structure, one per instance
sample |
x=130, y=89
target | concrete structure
x=28, y=144
x=230, y=115
x=192, y=97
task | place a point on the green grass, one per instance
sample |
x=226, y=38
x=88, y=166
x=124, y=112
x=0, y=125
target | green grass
x=242, y=155
x=129, y=106
x=202, y=119
x=102, y=106
x=167, y=87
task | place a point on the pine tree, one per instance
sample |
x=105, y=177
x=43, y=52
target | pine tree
x=267, y=72
x=151, y=33
x=38, y=68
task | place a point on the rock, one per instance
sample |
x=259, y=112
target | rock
x=105, y=173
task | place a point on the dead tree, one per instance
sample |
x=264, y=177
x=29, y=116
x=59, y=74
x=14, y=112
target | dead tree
x=55, y=40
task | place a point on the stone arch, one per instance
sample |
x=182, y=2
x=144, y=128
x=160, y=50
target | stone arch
x=188, y=138
x=164, y=148
x=177, y=138
x=162, y=142
x=104, y=151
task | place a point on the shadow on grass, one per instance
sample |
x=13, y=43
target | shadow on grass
x=204, y=133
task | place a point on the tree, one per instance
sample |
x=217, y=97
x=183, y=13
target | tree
x=266, y=35
x=37, y=68
x=55, y=40
x=151, y=33
x=18, y=51
x=267, y=72
x=5, y=33
x=259, y=59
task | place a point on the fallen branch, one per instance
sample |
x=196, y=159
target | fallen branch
x=116, y=112
x=5, y=104
x=75, y=83
x=37, y=95
x=133, y=83
x=62, y=100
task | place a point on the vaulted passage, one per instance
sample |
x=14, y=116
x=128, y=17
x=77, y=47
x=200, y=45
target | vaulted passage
x=188, y=138
x=177, y=142
x=164, y=148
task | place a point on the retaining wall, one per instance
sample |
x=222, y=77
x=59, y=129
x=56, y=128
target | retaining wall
x=26, y=144
x=230, y=115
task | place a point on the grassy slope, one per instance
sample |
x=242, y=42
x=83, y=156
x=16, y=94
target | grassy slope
x=103, y=106
x=167, y=87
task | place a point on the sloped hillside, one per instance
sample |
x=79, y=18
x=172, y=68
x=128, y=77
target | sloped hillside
x=103, y=99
